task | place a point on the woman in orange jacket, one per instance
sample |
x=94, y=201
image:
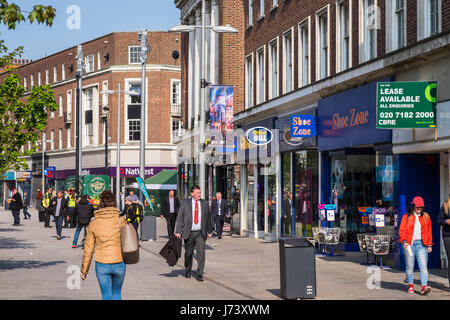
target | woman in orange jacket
x=417, y=239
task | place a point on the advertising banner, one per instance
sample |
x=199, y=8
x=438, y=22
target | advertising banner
x=144, y=191
x=221, y=108
x=406, y=104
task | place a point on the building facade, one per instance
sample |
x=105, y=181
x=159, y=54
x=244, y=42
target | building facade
x=324, y=59
x=110, y=60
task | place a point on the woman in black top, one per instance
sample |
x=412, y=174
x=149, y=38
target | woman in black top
x=444, y=221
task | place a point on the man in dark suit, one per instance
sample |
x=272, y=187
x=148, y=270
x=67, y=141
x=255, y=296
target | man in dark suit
x=16, y=206
x=287, y=212
x=194, y=226
x=169, y=210
x=219, y=210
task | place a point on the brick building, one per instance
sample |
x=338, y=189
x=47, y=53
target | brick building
x=224, y=56
x=110, y=60
x=323, y=59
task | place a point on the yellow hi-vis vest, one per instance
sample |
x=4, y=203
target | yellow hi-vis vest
x=72, y=202
x=138, y=219
x=46, y=200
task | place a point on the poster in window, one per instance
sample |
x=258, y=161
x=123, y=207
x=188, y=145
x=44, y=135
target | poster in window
x=338, y=178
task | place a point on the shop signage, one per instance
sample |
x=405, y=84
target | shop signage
x=221, y=108
x=348, y=119
x=364, y=215
x=23, y=175
x=259, y=136
x=9, y=176
x=331, y=212
x=379, y=217
x=289, y=142
x=322, y=212
x=406, y=104
x=303, y=126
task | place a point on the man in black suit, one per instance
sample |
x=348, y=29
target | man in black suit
x=194, y=226
x=169, y=210
x=16, y=206
x=219, y=210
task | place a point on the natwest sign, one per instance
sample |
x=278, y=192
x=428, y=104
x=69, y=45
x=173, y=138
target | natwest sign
x=135, y=172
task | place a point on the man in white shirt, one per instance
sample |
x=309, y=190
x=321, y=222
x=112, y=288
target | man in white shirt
x=219, y=210
x=194, y=226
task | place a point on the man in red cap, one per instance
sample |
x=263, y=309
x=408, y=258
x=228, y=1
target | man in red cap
x=417, y=239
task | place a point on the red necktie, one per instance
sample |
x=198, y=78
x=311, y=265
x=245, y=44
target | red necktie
x=196, y=213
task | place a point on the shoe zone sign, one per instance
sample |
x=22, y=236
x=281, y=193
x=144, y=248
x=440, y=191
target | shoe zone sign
x=303, y=126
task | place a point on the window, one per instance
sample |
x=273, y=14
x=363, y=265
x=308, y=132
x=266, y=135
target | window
x=175, y=125
x=69, y=103
x=52, y=115
x=134, y=53
x=55, y=74
x=274, y=3
x=47, y=76
x=261, y=8
x=399, y=28
x=39, y=78
x=344, y=36
x=260, y=85
x=44, y=139
x=288, y=62
x=249, y=81
x=88, y=118
x=322, y=61
x=32, y=80
x=25, y=82
x=134, y=114
x=63, y=72
x=61, y=105
x=60, y=138
x=90, y=63
x=250, y=12
x=273, y=69
x=304, y=52
x=99, y=60
x=176, y=92
x=369, y=22
x=69, y=137
x=434, y=16
x=52, y=138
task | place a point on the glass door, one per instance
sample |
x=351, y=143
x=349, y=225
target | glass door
x=251, y=197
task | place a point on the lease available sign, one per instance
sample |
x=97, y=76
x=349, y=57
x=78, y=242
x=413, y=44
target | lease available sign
x=406, y=104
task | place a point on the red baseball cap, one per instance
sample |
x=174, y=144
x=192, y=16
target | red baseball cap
x=418, y=202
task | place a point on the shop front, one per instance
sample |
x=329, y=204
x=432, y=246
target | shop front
x=259, y=160
x=8, y=185
x=300, y=164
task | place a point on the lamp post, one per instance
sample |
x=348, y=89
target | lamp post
x=131, y=93
x=43, y=144
x=79, y=74
x=203, y=85
x=105, y=115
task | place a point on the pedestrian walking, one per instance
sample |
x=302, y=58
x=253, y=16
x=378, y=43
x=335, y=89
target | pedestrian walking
x=169, y=211
x=444, y=221
x=39, y=207
x=104, y=236
x=134, y=197
x=287, y=212
x=133, y=212
x=83, y=213
x=220, y=210
x=72, y=201
x=194, y=226
x=26, y=205
x=60, y=208
x=46, y=204
x=16, y=206
x=416, y=237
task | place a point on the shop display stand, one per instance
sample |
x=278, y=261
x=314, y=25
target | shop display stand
x=363, y=247
x=380, y=247
x=326, y=237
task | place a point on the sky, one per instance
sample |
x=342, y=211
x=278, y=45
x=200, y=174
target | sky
x=97, y=18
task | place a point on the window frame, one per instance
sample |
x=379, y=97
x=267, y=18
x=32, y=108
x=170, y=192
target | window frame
x=129, y=55
x=260, y=80
x=343, y=40
x=87, y=63
x=250, y=13
x=289, y=32
x=249, y=84
x=306, y=23
x=325, y=11
x=271, y=72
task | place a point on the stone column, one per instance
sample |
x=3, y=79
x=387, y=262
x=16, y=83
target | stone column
x=191, y=70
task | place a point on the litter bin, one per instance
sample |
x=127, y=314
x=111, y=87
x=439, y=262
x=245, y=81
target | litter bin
x=297, y=268
x=148, y=228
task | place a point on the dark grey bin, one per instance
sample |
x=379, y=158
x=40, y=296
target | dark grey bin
x=148, y=228
x=297, y=268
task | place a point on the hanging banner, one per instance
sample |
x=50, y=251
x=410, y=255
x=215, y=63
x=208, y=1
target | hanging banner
x=406, y=104
x=144, y=191
x=221, y=108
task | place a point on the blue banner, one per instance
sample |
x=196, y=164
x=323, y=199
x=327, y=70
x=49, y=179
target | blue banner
x=144, y=191
x=303, y=126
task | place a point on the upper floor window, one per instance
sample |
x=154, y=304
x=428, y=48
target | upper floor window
x=304, y=53
x=344, y=41
x=261, y=8
x=260, y=75
x=288, y=61
x=322, y=61
x=52, y=138
x=134, y=114
x=434, y=16
x=39, y=78
x=90, y=63
x=274, y=3
x=25, y=82
x=61, y=105
x=134, y=53
x=55, y=74
x=369, y=20
x=32, y=80
x=47, y=76
x=176, y=92
x=63, y=72
x=249, y=81
x=273, y=69
x=250, y=12
x=60, y=138
x=399, y=24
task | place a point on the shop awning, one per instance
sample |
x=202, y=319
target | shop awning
x=165, y=180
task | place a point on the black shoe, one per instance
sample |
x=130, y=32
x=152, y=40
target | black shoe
x=200, y=278
x=220, y=237
x=187, y=274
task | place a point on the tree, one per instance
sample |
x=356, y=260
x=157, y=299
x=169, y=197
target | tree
x=22, y=119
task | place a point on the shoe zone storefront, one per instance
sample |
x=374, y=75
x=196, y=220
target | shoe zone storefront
x=359, y=173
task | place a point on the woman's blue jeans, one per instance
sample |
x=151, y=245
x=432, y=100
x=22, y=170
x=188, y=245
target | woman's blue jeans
x=419, y=251
x=111, y=277
x=77, y=233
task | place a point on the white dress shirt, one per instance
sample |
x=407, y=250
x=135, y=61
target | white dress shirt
x=171, y=204
x=198, y=226
x=218, y=204
x=417, y=235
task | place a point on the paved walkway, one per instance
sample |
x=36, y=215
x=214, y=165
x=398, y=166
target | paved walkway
x=34, y=265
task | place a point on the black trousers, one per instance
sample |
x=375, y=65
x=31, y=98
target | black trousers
x=70, y=223
x=47, y=219
x=447, y=250
x=41, y=216
x=196, y=241
x=219, y=225
x=171, y=218
x=16, y=216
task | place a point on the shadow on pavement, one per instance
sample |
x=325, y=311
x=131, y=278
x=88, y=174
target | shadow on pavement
x=62, y=237
x=275, y=292
x=12, y=265
x=10, y=230
x=174, y=273
x=403, y=287
x=13, y=243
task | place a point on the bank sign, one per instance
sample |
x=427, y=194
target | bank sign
x=406, y=104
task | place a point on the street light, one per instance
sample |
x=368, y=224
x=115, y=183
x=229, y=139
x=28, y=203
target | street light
x=131, y=93
x=79, y=74
x=43, y=143
x=105, y=115
x=203, y=85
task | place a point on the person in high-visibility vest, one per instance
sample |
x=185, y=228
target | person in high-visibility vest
x=48, y=207
x=134, y=212
x=72, y=199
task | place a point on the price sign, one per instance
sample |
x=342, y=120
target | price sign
x=331, y=215
x=379, y=220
